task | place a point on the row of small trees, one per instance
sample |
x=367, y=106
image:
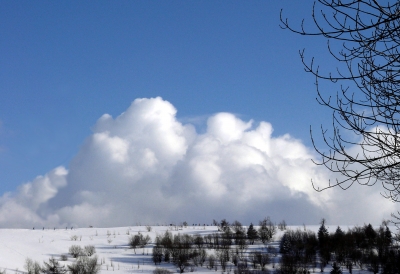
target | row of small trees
x=183, y=256
x=236, y=232
x=228, y=244
x=364, y=247
x=301, y=250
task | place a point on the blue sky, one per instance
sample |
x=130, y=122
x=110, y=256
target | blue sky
x=64, y=64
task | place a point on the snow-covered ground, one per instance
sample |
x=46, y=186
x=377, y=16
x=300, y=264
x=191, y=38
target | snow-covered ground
x=16, y=245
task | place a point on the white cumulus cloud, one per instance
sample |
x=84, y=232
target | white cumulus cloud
x=145, y=166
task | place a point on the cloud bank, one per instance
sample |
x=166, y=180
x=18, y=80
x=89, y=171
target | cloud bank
x=145, y=166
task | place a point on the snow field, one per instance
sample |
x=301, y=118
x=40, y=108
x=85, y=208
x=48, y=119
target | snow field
x=112, y=249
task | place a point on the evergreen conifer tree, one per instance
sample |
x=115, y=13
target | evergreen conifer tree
x=323, y=239
x=388, y=236
x=339, y=232
x=285, y=246
x=252, y=234
x=323, y=234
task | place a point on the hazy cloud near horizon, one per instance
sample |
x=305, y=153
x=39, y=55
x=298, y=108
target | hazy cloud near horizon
x=145, y=166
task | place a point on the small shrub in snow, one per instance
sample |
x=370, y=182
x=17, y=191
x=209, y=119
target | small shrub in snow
x=89, y=250
x=75, y=251
x=32, y=267
x=74, y=238
x=85, y=265
x=159, y=270
x=148, y=228
x=64, y=257
x=53, y=267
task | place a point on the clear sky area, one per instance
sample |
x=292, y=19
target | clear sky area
x=222, y=129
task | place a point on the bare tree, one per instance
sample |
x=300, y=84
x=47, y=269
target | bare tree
x=261, y=258
x=267, y=230
x=239, y=233
x=363, y=38
x=138, y=241
x=211, y=261
x=202, y=256
x=282, y=225
x=181, y=258
x=223, y=226
x=157, y=254
x=134, y=242
x=198, y=240
x=223, y=257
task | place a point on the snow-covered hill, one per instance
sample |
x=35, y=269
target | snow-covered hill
x=112, y=249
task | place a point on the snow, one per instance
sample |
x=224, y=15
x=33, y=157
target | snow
x=112, y=249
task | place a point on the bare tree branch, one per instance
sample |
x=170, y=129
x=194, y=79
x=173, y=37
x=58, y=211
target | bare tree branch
x=364, y=39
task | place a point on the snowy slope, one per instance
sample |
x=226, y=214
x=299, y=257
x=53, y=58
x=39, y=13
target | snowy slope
x=111, y=246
